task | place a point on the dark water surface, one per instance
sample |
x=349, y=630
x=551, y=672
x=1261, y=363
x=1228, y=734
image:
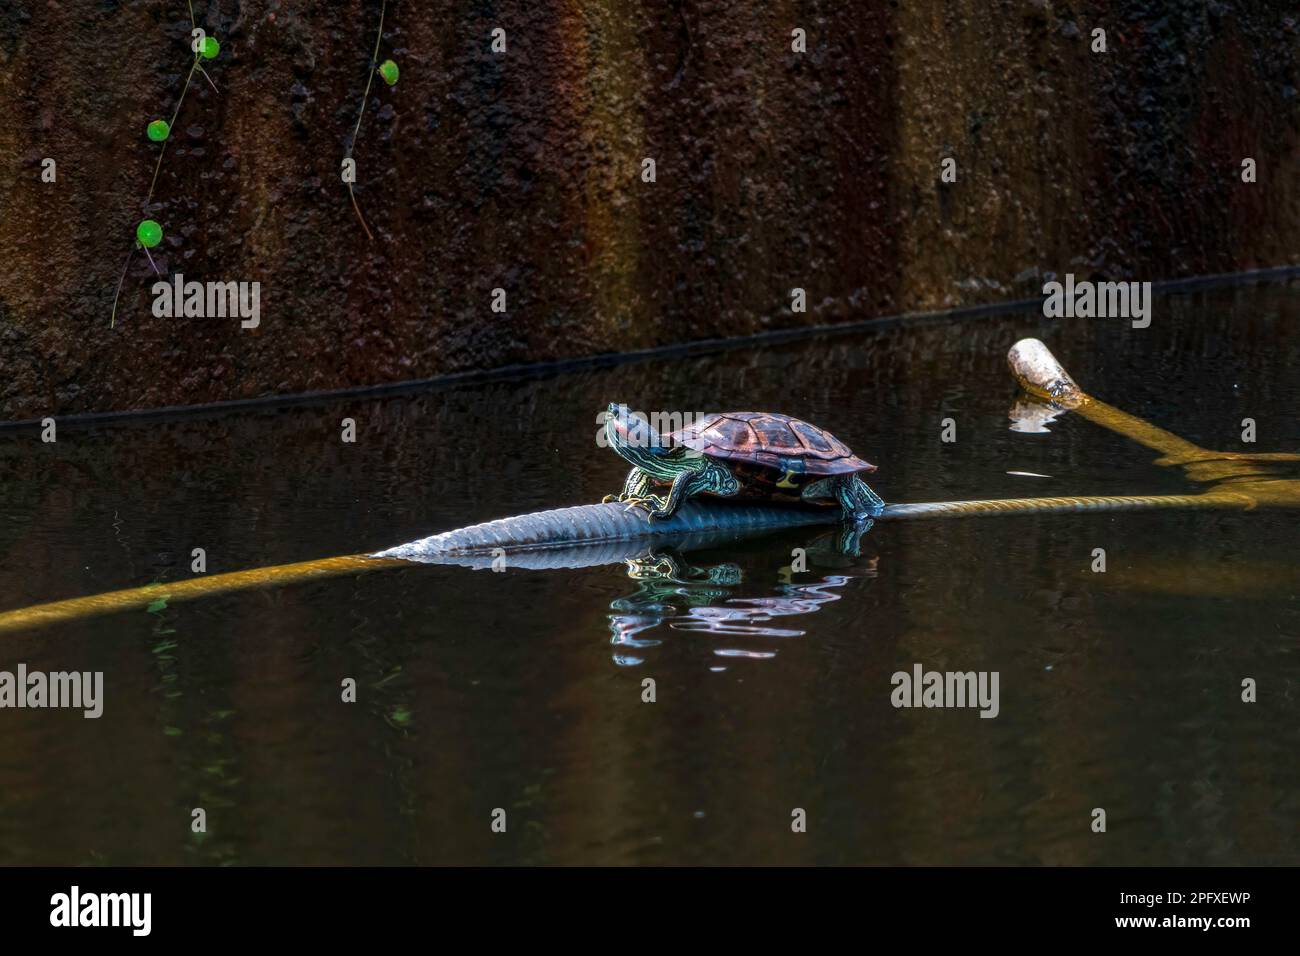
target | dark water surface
x=523, y=690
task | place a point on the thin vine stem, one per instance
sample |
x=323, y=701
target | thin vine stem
x=113, y=318
x=175, y=113
x=157, y=166
x=356, y=130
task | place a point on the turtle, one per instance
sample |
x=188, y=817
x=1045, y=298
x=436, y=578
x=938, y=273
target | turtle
x=754, y=455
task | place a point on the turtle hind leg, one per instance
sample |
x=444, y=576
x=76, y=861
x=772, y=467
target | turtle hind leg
x=860, y=505
x=857, y=499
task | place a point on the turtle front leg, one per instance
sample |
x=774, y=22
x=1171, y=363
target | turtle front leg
x=636, y=492
x=635, y=487
x=714, y=478
x=666, y=507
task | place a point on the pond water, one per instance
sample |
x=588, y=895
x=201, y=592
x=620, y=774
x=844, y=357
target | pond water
x=524, y=690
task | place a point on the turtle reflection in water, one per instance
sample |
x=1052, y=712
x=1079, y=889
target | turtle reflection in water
x=686, y=597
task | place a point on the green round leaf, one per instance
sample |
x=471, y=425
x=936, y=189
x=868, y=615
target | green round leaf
x=388, y=70
x=210, y=48
x=149, y=233
x=158, y=130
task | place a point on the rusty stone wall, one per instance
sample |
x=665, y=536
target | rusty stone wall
x=522, y=171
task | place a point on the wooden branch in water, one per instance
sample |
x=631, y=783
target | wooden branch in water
x=1040, y=374
x=580, y=536
x=605, y=533
x=41, y=615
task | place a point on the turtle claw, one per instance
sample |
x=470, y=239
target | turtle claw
x=652, y=507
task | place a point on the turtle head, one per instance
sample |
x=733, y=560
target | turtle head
x=636, y=440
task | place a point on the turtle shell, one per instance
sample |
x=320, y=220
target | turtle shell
x=773, y=441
